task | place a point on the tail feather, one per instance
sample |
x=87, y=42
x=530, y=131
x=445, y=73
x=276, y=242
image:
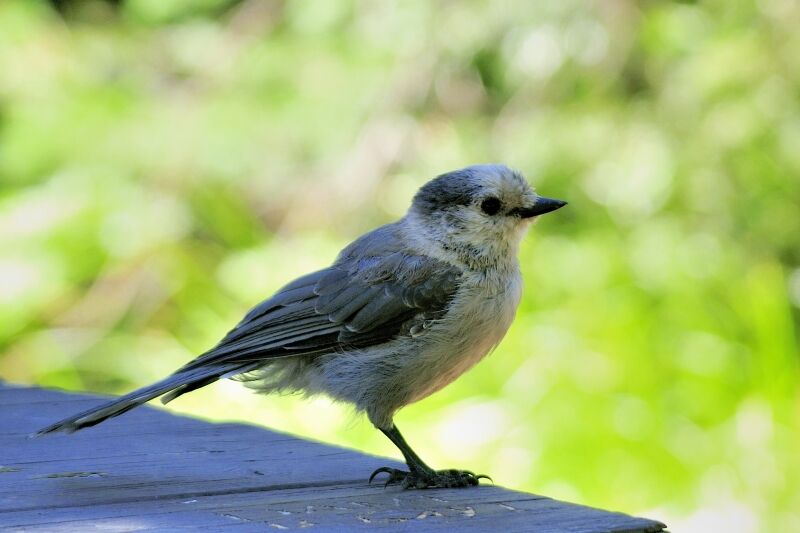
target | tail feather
x=188, y=387
x=180, y=382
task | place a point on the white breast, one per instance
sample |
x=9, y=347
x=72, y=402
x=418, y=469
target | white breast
x=480, y=315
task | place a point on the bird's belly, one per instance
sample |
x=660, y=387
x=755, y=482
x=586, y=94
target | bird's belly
x=433, y=375
x=463, y=342
x=383, y=379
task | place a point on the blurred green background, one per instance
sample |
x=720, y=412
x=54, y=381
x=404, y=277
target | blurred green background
x=166, y=165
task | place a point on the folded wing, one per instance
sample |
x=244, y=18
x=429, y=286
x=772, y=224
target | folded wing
x=355, y=304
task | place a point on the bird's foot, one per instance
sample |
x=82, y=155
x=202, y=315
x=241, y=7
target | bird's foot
x=420, y=479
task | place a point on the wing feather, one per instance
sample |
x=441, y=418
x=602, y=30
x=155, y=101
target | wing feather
x=361, y=300
x=381, y=309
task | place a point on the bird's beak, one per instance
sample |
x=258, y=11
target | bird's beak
x=543, y=205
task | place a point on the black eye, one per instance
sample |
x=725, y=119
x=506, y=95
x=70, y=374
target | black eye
x=490, y=205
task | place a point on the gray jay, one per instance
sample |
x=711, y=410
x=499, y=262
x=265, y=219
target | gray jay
x=403, y=311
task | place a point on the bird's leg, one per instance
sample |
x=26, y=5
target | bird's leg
x=420, y=475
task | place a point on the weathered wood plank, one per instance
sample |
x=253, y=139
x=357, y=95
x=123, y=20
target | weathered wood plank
x=151, y=470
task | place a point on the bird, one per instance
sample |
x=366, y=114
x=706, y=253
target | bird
x=403, y=311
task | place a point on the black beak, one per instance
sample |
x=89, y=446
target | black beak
x=543, y=205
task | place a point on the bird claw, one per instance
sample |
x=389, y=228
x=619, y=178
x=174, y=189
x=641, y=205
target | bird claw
x=426, y=480
x=395, y=475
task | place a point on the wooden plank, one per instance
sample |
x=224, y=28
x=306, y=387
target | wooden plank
x=348, y=507
x=151, y=470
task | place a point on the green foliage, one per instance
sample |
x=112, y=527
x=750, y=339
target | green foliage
x=165, y=165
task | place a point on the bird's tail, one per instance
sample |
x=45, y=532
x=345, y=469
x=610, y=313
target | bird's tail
x=176, y=384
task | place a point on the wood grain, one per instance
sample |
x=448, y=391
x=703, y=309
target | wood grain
x=150, y=470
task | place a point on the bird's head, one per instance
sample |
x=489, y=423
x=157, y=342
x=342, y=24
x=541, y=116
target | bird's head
x=480, y=213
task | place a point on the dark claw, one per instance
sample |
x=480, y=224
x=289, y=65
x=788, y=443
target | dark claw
x=380, y=471
x=395, y=475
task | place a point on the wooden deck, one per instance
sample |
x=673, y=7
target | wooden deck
x=151, y=470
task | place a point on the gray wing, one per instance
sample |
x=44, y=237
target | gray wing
x=373, y=293
x=360, y=301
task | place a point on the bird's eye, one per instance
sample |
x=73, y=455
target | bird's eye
x=490, y=205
